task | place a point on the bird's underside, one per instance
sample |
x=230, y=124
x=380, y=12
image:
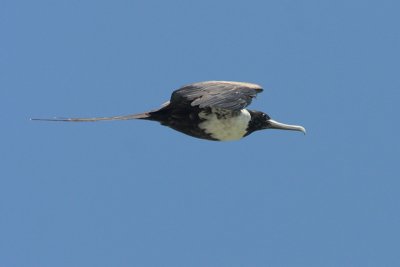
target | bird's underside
x=185, y=120
x=213, y=110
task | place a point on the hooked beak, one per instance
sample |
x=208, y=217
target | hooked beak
x=281, y=126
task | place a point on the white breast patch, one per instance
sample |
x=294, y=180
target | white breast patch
x=226, y=127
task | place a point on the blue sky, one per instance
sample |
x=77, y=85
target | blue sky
x=134, y=193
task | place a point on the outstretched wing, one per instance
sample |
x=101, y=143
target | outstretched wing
x=126, y=117
x=216, y=94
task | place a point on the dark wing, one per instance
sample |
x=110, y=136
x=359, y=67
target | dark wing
x=216, y=94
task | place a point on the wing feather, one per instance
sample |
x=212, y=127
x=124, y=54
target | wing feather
x=216, y=94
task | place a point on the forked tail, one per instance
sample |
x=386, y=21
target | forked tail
x=145, y=115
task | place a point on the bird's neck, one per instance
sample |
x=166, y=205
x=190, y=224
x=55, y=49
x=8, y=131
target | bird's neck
x=255, y=122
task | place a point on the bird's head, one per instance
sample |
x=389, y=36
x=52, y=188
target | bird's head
x=261, y=121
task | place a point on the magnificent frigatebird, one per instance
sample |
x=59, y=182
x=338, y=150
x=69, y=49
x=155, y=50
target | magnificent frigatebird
x=212, y=110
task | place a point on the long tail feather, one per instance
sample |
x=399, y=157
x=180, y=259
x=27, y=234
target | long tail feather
x=125, y=117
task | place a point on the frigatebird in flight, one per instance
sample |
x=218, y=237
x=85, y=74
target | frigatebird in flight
x=212, y=110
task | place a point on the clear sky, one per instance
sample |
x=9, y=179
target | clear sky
x=134, y=193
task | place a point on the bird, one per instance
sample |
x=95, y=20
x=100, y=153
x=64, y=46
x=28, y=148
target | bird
x=210, y=110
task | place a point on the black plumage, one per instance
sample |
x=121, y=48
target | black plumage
x=213, y=110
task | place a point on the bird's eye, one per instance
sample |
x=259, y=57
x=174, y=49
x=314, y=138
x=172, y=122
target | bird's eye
x=265, y=117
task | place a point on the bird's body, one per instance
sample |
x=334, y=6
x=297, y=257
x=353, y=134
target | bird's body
x=213, y=110
x=225, y=125
x=206, y=123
